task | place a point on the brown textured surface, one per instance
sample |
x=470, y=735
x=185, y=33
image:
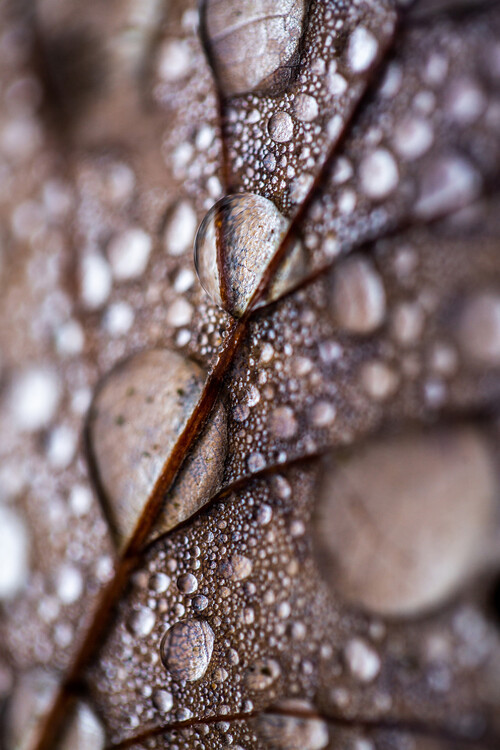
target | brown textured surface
x=114, y=142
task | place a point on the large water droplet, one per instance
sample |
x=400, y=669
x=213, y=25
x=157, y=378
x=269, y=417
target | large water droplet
x=137, y=415
x=83, y=731
x=235, y=243
x=253, y=42
x=186, y=649
x=292, y=732
x=403, y=523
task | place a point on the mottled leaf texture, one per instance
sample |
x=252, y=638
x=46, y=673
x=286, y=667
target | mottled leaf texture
x=250, y=375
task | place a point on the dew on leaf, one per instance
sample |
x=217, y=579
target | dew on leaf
x=186, y=649
x=235, y=243
x=406, y=522
x=288, y=732
x=253, y=43
x=137, y=415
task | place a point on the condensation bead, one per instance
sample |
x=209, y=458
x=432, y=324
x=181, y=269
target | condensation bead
x=83, y=731
x=406, y=521
x=235, y=243
x=186, y=649
x=163, y=701
x=14, y=553
x=138, y=413
x=479, y=329
x=280, y=127
x=358, y=299
x=253, y=43
x=284, y=732
x=379, y=174
x=449, y=183
x=262, y=674
x=305, y=107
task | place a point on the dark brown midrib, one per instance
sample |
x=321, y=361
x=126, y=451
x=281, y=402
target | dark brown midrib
x=131, y=555
x=434, y=730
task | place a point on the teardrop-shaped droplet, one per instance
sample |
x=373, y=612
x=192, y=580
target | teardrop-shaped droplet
x=186, y=649
x=253, y=44
x=235, y=243
x=403, y=523
x=138, y=413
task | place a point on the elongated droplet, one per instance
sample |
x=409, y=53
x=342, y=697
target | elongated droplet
x=406, y=521
x=137, y=415
x=253, y=43
x=235, y=243
x=186, y=649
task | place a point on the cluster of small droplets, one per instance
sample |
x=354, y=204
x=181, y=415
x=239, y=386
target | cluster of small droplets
x=424, y=148
x=263, y=131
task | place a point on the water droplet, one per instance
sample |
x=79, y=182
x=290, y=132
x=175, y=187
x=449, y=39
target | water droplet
x=362, y=660
x=420, y=506
x=237, y=568
x=378, y=174
x=129, y=253
x=163, y=701
x=159, y=582
x=252, y=48
x=283, y=423
x=262, y=674
x=362, y=49
x=14, y=545
x=142, y=621
x=199, y=603
x=292, y=732
x=187, y=583
x=137, y=415
x=479, y=329
x=235, y=243
x=358, y=299
x=83, y=731
x=280, y=127
x=186, y=649
x=305, y=107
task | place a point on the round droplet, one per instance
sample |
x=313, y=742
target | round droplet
x=235, y=243
x=358, y=298
x=362, y=660
x=253, y=43
x=280, y=127
x=187, y=583
x=141, y=622
x=138, y=414
x=186, y=649
x=262, y=674
x=305, y=107
x=163, y=701
x=406, y=520
x=378, y=173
